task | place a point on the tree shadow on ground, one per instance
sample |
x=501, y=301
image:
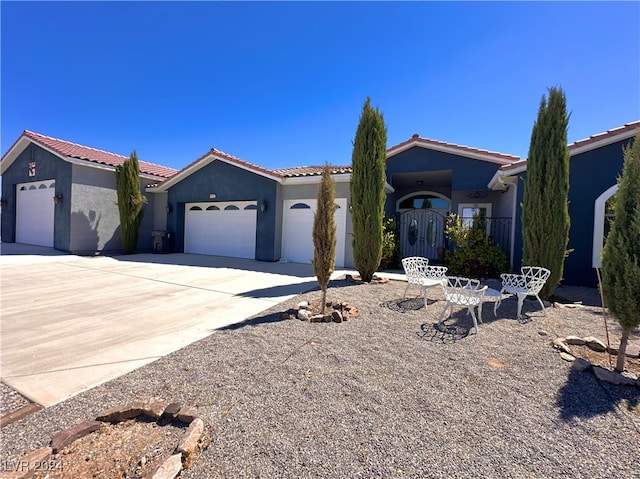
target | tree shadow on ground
x=585, y=396
x=257, y=321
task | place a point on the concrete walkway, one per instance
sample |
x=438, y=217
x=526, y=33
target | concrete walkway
x=70, y=323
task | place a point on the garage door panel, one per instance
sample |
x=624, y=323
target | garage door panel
x=221, y=228
x=297, y=230
x=35, y=212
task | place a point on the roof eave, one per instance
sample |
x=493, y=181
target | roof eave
x=208, y=158
x=395, y=150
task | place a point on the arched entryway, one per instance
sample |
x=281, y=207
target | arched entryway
x=422, y=224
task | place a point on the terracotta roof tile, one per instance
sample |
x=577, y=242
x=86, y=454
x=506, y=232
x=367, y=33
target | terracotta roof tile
x=635, y=125
x=300, y=171
x=80, y=152
x=499, y=157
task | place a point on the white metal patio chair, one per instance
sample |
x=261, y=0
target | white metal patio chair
x=434, y=276
x=463, y=292
x=415, y=270
x=529, y=283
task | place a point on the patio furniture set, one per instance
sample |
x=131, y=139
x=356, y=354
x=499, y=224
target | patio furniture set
x=469, y=293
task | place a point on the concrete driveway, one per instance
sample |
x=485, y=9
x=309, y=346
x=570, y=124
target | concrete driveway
x=70, y=323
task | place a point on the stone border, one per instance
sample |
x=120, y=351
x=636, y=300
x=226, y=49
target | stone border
x=155, y=409
x=581, y=364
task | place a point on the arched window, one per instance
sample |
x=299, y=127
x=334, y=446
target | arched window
x=423, y=200
x=195, y=208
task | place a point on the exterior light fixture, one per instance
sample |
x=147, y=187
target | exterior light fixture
x=3, y=201
x=57, y=199
x=263, y=205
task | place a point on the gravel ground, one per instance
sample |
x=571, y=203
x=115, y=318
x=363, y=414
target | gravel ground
x=385, y=395
x=10, y=399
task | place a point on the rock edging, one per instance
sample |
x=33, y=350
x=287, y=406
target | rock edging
x=581, y=364
x=154, y=408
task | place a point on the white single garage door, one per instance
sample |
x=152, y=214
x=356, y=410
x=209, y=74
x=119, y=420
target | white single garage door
x=35, y=212
x=297, y=230
x=221, y=228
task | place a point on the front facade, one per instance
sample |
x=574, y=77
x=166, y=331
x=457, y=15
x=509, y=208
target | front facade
x=56, y=193
x=432, y=179
x=222, y=205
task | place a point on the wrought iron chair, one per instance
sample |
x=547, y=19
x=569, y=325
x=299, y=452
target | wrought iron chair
x=463, y=292
x=529, y=283
x=415, y=270
x=434, y=276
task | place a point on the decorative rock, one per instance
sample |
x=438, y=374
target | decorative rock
x=303, y=305
x=336, y=317
x=612, y=377
x=187, y=414
x=543, y=333
x=172, y=410
x=558, y=343
x=304, y=314
x=109, y=415
x=595, y=344
x=64, y=438
x=19, y=414
x=581, y=364
x=612, y=350
x=321, y=318
x=169, y=469
x=190, y=439
x=154, y=408
x=567, y=357
x=575, y=340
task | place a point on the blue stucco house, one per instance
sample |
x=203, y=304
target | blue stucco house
x=57, y=193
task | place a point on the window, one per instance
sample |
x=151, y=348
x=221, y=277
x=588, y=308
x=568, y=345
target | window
x=475, y=214
x=423, y=201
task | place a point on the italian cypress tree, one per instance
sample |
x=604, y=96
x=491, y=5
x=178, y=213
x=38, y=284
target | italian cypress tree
x=130, y=202
x=324, y=233
x=545, y=205
x=367, y=190
x=621, y=253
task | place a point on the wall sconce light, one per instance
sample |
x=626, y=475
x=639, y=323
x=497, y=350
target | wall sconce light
x=263, y=205
x=57, y=199
x=419, y=182
x=3, y=201
x=168, y=208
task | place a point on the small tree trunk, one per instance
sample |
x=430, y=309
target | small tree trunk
x=324, y=300
x=622, y=350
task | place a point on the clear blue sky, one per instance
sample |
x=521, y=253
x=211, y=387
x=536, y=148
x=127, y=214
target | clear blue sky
x=283, y=84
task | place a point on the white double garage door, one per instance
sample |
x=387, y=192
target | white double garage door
x=229, y=229
x=35, y=212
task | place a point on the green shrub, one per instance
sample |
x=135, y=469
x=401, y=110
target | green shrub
x=390, y=244
x=473, y=254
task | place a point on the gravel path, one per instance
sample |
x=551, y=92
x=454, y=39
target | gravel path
x=383, y=396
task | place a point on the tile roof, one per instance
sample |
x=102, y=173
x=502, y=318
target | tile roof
x=417, y=140
x=72, y=150
x=628, y=127
x=580, y=144
x=300, y=171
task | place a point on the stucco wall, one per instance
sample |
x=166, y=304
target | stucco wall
x=48, y=166
x=228, y=183
x=95, y=220
x=590, y=174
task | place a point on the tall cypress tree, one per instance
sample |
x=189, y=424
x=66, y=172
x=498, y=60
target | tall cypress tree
x=130, y=202
x=324, y=233
x=545, y=205
x=621, y=253
x=367, y=190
